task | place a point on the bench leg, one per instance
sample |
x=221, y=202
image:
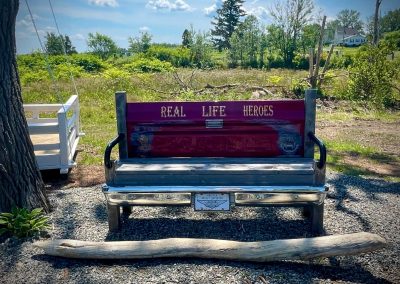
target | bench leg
x=317, y=218
x=127, y=210
x=113, y=217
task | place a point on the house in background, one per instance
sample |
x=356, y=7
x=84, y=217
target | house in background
x=348, y=37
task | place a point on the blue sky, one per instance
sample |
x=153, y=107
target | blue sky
x=164, y=19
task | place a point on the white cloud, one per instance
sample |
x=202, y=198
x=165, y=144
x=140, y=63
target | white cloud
x=144, y=29
x=177, y=5
x=211, y=9
x=259, y=12
x=110, y=3
x=78, y=37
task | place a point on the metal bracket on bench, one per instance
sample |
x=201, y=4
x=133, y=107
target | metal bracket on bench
x=107, y=154
x=322, y=150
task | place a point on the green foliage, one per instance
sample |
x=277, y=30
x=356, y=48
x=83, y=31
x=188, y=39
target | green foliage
x=275, y=60
x=392, y=39
x=201, y=50
x=177, y=56
x=391, y=21
x=140, y=44
x=143, y=64
x=55, y=44
x=65, y=70
x=101, y=45
x=289, y=19
x=23, y=223
x=187, y=38
x=226, y=21
x=245, y=44
x=340, y=61
x=115, y=73
x=372, y=76
x=350, y=19
x=89, y=62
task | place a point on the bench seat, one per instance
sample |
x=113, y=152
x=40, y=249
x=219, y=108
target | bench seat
x=214, y=171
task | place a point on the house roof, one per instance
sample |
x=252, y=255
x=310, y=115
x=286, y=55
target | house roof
x=347, y=31
x=352, y=36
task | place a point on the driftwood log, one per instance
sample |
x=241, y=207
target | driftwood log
x=290, y=249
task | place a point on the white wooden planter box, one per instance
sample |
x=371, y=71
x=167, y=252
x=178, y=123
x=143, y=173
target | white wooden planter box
x=54, y=131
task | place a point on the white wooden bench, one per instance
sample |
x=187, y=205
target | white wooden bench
x=216, y=155
x=54, y=131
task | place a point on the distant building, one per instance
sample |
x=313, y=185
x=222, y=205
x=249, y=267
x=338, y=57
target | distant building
x=354, y=40
x=348, y=37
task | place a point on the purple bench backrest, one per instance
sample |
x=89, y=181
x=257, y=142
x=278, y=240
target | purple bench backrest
x=215, y=129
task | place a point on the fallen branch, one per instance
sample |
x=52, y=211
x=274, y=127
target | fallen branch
x=291, y=249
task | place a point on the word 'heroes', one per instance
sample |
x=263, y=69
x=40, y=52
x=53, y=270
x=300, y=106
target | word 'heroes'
x=254, y=110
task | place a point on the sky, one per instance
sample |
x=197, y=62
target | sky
x=165, y=20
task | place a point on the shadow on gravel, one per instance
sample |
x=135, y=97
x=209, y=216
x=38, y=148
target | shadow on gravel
x=371, y=188
x=283, y=272
x=266, y=225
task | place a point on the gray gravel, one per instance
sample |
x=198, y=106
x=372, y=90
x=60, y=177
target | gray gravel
x=354, y=204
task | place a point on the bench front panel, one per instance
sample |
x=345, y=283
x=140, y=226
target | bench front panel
x=216, y=129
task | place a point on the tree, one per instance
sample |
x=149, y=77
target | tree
x=331, y=28
x=376, y=19
x=391, y=21
x=309, y=37
x=289, y=19
x=140, y=44
x=226, y=21
x=187, y=38
x=245, y=43
x=350, y=19
x=55, y=44
x=20, y=180
x=101, y=45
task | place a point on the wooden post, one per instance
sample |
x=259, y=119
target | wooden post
x=320, y=44
x=311, y=65
x=292, y=249
x=120, y=106
x=310, y=104
x=325, y=66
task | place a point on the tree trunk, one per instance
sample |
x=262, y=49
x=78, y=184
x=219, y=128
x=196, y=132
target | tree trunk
x=376, y=19
x=20, y=180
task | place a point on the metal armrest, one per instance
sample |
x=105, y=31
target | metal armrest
x=107, y=153
x=322, y=150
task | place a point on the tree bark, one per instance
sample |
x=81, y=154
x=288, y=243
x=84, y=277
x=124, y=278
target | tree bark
x=20, y=180
x=291, y=249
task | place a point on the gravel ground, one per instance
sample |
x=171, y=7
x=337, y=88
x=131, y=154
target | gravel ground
x=354, y=204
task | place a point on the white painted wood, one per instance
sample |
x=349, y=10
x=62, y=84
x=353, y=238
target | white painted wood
x=277, y=250
x=33, y=121
x=62, y=131
x=46, y=147
x=43, y=128
x=54, y=153
x=42, y=107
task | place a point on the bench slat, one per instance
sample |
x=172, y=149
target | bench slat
x=214, y=172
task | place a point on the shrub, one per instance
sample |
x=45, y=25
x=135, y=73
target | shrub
x=178, y=56
x=371, y=76
x=340, y=62
x=64, y=71
x=89, y=62
x=142, y=64
x=23, y=223
x=115, y=73
x=275, y=61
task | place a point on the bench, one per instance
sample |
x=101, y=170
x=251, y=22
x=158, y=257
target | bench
x=216, y=155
